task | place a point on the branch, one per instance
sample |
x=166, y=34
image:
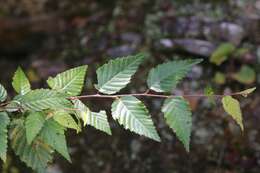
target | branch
x=146, y=94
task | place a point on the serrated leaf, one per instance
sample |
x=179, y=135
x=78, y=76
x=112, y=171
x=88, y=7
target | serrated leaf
x=4, y=121
x=20, y=82
x=222, y=53
x=3, y=93
x=178, y=116
x=232, y=107
x=41, y=99
x=37, y=156
x=246, y=92
x=33, y=125
x=165, y=77
x=66, y=120
x=245, y=75
x=116, y=74
x=97, y=120
x=133, y=115
x=82, y=111
x=53, y=134
x=70, y=81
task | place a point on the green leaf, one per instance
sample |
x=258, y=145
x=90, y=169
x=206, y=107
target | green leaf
x=232, y=107
x=222, y=53
x=20, y=82
x=208, y=91
x=82, y=111
x=220, y=78
x=178, y=116
x=70, y=81
x=53, y=134
x=33, y=125
x=4, y=121
x=66, y=120
x=116, y=74
x=37, y=156
x=165, y=77
x=246, y=92
x=133, y=115
x=97, y=120
x=41, y=99
x=3, y=93
x=246, y=75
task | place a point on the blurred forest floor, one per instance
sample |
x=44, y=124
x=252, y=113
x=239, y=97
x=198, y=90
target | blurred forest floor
x=46, y=37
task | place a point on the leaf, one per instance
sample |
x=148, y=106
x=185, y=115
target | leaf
x=222, y=53
x=116, y=74
x=208, y=91
x=66, y=120
x=3, y=93
x=53, y=134
x=82, y=111
x=133, y=115
x=97, y=120
x=178, y=116
x=246, y=75
x=4, y=121
x=37, y=156
x=219, y=78
x=20, y=82
x=33, y=125
x=246, y=92
x=232, y=107
x=165, y=77
x=70, y=81
x=41, y=99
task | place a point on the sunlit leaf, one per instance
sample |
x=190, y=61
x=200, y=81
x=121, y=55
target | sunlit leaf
x=178, y=116
x=165, y=77
x=20, y=82
x=3, y=93
x=66, y=120
x=133, y=115
x=70, y=81
x=232, y=107
x=246, y=92
x=97, y=120
x=116, y=74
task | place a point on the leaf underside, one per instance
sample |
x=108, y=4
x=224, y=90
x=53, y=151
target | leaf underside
x=178, y=116
x=165, y=77
x=133, y=115
x=116, y=74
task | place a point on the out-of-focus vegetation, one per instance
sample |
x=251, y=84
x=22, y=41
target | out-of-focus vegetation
x=46, y=37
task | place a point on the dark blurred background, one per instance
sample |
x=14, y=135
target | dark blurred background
x=46, y=37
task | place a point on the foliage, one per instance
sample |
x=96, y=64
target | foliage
x=39, y=118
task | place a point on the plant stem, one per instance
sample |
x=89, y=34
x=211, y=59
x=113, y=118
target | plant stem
x=146, y=94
